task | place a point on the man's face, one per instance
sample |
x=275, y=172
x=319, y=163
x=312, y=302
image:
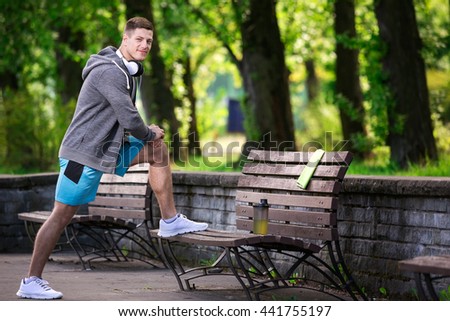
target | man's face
x=137, y=45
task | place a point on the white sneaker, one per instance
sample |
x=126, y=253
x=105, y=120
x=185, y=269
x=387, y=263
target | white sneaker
x=37, y=289
x=180, y=226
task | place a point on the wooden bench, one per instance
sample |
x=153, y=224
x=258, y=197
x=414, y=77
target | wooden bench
x=116, y=226
x=302, y=229
x=427, y=270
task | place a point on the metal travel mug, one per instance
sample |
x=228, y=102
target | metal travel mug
x=261, y=217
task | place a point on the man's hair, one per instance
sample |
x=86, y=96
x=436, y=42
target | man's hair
x=138, y=22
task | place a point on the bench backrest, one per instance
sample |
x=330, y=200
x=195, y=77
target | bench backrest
x=125, y=197
x=294, y=212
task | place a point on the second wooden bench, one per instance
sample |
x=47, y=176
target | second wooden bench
x=116, y=226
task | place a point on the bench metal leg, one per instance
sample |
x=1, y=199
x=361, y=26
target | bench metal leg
x=430, y=287
x=342, y=271
x=427, y=292
x=104, y=243
x=185, y=276
x=171, y=262
x=32, y=229
x=420, y=289
x=235, y=250
x=97, y=247
x=230, y=259
x=335, y=272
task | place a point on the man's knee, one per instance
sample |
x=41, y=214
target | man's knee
x=158, y=154
x=63, y=213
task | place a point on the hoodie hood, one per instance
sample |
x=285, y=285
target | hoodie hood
x=106, y=56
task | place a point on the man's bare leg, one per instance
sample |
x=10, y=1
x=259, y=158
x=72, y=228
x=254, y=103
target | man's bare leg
x=48, y=236
x=159, y=175
x=34, y=287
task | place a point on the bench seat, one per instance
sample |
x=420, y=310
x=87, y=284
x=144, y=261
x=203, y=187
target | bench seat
x=97, y=220
x=222, y=238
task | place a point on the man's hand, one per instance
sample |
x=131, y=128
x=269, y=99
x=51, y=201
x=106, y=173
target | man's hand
x=159, y=132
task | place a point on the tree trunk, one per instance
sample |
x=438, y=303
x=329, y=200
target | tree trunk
x=162, y=108
x=8, y=79
x=263, y=68
x=349, y=96
x=410, y=129
x=193, y=135
x=9, y=85
x=312, y=82
x=69, y=71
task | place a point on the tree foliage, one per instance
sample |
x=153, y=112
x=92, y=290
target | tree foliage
x=42, y=38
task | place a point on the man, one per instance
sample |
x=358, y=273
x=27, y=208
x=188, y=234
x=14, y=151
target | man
x=106, y=135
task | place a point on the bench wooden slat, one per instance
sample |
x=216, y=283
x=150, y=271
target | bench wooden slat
x=292, y=215
x=122, y=189
x=104, y=221
x=130, y=178
x=334, y=158
x=285, y=242
x=439, y=265
x=118, y=213
x=213, y=237
x=301, y=231
x=288, y=200
x=37, y=217
x=130, y=202
x=139, y=168
x=285, y=184
x=322, y=171
x=41, y=217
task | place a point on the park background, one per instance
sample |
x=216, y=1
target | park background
x=224, y=76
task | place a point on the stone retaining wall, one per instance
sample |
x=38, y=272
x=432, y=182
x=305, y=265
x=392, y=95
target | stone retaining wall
x=22, y=194
x=382, y=219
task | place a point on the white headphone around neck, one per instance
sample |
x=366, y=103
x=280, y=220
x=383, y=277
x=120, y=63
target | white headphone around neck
x=135, y=68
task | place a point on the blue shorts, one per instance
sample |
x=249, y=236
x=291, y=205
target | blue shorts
x=78, y=184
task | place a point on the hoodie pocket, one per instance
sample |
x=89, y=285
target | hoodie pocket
x=108, y=147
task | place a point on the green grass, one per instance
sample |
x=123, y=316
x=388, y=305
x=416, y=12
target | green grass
x=378, y=165
x=16, y=170
x=208, y=164
x=221, y=154
x=222, y=164
x=440, y=168
x=229, y=162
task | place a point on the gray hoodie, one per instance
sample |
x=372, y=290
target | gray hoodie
x=103, y=113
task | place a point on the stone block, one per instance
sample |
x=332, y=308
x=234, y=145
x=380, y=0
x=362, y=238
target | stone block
x=445, y=239
x=361, y=247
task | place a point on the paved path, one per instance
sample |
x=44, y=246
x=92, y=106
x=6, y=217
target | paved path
x=128, y=281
